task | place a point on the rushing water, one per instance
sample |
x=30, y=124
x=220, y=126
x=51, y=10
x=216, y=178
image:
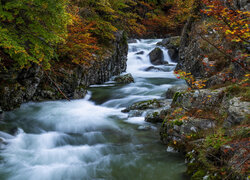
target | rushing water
x=91, y=138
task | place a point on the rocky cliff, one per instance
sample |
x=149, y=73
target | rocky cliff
x=33, y=84
x=210, y=125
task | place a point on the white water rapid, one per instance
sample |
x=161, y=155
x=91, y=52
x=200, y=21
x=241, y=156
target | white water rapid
x=91, y=138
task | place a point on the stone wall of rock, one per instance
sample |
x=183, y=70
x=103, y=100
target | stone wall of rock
x=194, y=49
x=36, y=85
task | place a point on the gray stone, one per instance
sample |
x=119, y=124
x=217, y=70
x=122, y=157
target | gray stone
x=172, y=90
x=158, y=115
x=237, y=112
x=200, y=99
x=132, y=41
x=173, y=54
x=164, y=42
x=156, y=57
x=124, y=79
x=149, y=104
x=140, y=53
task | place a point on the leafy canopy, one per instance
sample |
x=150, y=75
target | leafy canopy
x=30, y=29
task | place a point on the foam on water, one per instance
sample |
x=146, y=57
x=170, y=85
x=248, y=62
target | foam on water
x=82, y=140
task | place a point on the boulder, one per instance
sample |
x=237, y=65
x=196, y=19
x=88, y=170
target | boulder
x=170, y=42
x=164, y=42
x=156, y=57
x=140, y=53
x=158, y=115
x=158, y=69
x=173, y=54
x=124, y=79
x=132, y=41
x=172, y=90
x=237, y=112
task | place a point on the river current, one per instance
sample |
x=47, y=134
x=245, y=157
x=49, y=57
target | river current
x=91, y=138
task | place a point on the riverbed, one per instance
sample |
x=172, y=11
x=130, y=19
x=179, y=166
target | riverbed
x=91, y=138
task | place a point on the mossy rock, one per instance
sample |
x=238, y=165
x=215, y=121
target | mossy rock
x=124, y=79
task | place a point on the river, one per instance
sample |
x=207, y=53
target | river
x=91, y=138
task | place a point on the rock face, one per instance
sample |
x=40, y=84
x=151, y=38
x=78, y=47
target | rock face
x=34, y=85
x=156, y=57
x=124, y=79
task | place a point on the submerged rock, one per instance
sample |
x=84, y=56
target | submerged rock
x=154, y=69
x=156, y=57
x=144, y=128
x=124, y=79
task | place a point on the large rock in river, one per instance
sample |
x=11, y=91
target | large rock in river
x=156, y=57
x=124, y=79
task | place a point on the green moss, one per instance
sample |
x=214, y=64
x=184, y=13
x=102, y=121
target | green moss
x=198, y=175
x=177, y=122
x=238, y=91
x=155, y=114
x=176, y=95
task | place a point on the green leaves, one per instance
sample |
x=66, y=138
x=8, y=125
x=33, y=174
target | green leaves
x=30, y=30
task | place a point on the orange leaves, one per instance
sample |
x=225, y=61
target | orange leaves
x=195, y=84
x=232, y=23
x=80, y=46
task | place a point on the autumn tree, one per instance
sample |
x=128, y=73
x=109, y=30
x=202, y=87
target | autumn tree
x=80, y=45
x=30, y=30
x=231, y=24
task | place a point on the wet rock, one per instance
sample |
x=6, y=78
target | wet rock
x=173, y=54
x=170, y=42
x=132, y=41
x=171, y=91
x=140, y=53
x=164, y=42
x=156, y=57
x=155, y=69
x=150, y=104
x=237, y=112
x=1, y=111
x=157, y=116
x=124, y=79
x=135, y=113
